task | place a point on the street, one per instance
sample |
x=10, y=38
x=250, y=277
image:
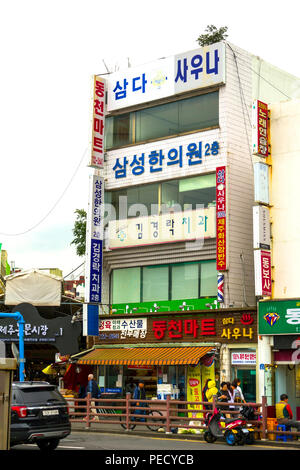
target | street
x=118, y=442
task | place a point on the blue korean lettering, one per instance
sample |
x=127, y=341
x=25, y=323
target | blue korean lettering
x=136, y=86
x=175, y=156
x=194, y=153
x=138, y=165
x=196, y=64
x=122, y=93
x=181, y=74
x=119, y=169
x=156, y=158
x=215, y=68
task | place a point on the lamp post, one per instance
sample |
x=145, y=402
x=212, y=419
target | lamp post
x=20, y=320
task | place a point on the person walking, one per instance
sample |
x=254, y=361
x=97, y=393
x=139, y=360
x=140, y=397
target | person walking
x=139, y=394
x=93, y=389
x=237, y=385
x=284, y=414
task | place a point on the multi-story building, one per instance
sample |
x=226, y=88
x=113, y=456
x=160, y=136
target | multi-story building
x=179, y=191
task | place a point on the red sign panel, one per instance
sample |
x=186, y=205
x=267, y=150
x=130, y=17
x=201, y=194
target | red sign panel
x=260, y=141
x=221, y=217
x=266, y=275
x=97, y=153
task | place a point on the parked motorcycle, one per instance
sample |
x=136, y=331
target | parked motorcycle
x=234, y=431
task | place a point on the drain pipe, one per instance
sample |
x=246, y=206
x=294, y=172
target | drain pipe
x=20, y=321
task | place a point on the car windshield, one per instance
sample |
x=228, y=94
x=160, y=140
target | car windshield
x=41, y=395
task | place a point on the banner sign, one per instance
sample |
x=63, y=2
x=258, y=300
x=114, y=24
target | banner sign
x=97, y=144
x=278, y=317
x=221, y=218
x=261, y=183
x=199, y=68
x=243, y=358
x=260, y=133
x=169, y=227
x=94, y=248
x=261, y=228
x=263, y=274
x=194, y=390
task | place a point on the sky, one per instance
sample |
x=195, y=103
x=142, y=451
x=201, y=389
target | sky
x=50, y=51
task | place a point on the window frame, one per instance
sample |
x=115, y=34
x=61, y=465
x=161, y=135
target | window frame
x=132, y=117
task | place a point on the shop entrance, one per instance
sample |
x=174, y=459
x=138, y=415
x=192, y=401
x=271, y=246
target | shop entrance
x=248, y=383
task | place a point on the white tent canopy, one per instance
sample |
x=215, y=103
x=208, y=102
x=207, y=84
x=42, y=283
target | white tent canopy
x=33, y=286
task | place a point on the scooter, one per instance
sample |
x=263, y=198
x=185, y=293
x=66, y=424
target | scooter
x=234, y=431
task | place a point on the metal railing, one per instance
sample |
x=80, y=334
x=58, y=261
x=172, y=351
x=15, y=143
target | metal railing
x=168, y=414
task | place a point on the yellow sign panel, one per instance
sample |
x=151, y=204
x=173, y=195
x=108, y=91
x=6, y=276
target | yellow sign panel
x=194, y=390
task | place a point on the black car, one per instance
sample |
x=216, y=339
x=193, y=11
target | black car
x=39, y=414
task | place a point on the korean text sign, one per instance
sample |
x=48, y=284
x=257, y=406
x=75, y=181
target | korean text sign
x=94, y=240
x=221, y=218
x=279, y=317
x=199, y=68
x=260, y=134
x=97, y=144
x=263, y=273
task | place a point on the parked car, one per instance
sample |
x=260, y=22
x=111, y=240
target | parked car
x=39, y=414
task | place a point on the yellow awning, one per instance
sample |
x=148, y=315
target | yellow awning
x=145, y=356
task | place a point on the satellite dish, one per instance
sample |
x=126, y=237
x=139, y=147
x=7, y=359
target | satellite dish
x=15, y=351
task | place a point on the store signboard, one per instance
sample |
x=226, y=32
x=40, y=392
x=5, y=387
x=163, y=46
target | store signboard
x=279, y=317
x=221, y=261
x=261, y=183
x=97, y=143
x=94, y=255
x=170, y=227
x=123, y=324
x=261, y=228
x=165, y=159
x=186, y=327
x=263, y=273
x=260, y=129
x=243, y=358
x=199, y=68
x=58, y=332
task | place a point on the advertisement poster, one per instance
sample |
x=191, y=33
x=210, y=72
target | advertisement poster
x=221, y=218
x=194, y=390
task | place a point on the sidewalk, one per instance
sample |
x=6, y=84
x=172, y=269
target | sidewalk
x=145, y=432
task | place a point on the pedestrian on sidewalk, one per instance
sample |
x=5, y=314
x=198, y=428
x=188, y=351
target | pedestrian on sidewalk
x=140, y=394
x=93, y=389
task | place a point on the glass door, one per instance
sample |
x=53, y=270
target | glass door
x=248, y=383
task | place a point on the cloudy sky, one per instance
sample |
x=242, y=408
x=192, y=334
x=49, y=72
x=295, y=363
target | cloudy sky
x=49, y=53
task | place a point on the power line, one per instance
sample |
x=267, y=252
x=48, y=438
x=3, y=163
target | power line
x=53, y=207
x=74, y=270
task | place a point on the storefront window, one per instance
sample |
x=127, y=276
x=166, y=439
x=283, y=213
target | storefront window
x=164, y=282
x=126, y=285
x=208, y=279
x=185, y=281
x=155, y=283
x=112, y=373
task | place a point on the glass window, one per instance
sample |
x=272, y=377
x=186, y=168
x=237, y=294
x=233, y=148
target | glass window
x=159, y=121
x=190, y=114
x=187, y=193
x=198, y=112
x=185, y=281
x=208, y=284
x=126, y=285
x=118, y=130
x=155, y=283
x=146, y=195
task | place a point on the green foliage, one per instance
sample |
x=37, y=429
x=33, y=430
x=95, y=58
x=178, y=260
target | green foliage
x=212, y=35
x=79, y=231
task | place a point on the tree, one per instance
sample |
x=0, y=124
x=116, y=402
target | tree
x=212, y=35
x=79, y=231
